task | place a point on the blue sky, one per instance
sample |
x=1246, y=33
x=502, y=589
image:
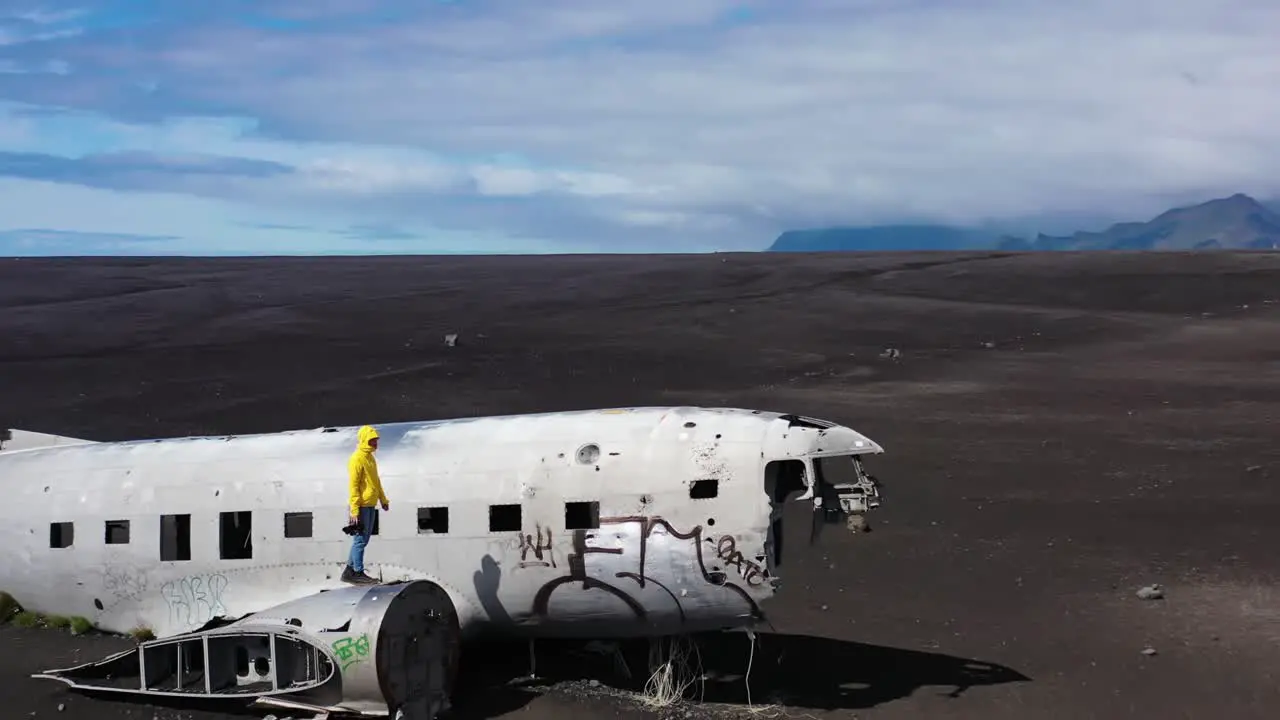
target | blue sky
x=239, y=126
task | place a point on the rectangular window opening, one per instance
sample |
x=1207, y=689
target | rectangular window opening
x=433, y=520
x=504, y=518
x=117, y=532
x=581, y=515
x=235, y=536
x=61, y=534
x=704, y=489
x=297, y=524
x=175, y=537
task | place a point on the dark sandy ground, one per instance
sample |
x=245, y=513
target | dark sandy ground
x=1060, y=431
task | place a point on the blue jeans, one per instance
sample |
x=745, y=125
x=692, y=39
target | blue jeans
x=358, y=541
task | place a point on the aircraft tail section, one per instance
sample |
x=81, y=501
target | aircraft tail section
x=12, y=440
x=371, y=650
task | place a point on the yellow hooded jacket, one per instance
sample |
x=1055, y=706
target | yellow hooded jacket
x=365, y=487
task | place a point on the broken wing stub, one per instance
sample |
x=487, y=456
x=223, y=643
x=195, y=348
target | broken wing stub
x=374, y=651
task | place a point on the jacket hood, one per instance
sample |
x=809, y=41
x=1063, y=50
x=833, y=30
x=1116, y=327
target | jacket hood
x=367, y=433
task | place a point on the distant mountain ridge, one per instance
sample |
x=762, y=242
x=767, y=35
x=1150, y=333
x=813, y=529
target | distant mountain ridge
x=882, y=237
x=1237, y=222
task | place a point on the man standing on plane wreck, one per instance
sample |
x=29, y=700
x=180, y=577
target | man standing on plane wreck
x=365, y=494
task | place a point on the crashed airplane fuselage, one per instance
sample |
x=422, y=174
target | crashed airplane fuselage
x=605, y=523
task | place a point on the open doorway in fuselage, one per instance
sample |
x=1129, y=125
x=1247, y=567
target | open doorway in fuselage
x=782, y=480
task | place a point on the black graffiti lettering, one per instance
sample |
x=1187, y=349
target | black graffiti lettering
x=538, y=543
x=578, y=573
x=640, y=580
x=751, y=572
x=696, y=536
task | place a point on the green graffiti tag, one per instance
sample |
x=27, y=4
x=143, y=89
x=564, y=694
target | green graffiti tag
x=352, y=650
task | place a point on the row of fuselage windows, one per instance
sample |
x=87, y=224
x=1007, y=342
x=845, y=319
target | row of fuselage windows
x=235, y=528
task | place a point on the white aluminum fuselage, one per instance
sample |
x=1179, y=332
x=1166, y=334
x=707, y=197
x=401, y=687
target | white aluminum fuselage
x=657, y=562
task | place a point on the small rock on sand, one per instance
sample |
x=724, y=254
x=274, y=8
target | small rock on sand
x=1150, y=592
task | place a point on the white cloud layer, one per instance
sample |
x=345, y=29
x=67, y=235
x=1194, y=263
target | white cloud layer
x=666, y=125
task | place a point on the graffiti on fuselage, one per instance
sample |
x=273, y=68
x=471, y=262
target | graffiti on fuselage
x=195, y=599
x=751, y=572
x=577, y=565
x=538, y=545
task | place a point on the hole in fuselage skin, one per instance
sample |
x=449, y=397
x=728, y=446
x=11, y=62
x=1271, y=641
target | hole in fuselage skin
x=783, y=479
x=711, y=521
x=97, y=603
x=704, y=489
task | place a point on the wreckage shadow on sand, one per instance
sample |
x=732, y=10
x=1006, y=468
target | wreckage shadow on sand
x=797, y=671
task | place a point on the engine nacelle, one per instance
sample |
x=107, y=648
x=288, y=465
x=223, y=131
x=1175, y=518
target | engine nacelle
x=369, y=650
x=394, y=646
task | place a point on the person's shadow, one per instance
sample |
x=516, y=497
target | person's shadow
x=796, y=671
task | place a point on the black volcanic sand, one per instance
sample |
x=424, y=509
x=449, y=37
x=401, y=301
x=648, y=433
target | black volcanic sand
x=1060, y=431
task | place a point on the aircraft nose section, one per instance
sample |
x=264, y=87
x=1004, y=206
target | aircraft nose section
x=796, y=436
x=841, y=440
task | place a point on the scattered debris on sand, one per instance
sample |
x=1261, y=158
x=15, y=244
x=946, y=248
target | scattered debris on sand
x=1150, y=592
